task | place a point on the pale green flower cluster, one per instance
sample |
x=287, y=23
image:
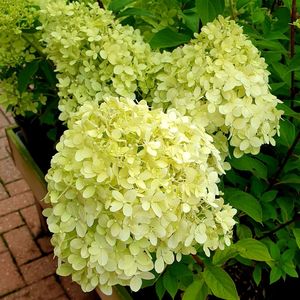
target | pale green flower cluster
x=220, y=80
x=15, y=16
x=95, y=56
x=132, y=190
x=19, y=103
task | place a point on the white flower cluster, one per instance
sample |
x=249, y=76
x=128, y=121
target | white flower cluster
x=95, y=56
x=219, y=78
x=132, y=190
x=222, y=82
x=19, y=103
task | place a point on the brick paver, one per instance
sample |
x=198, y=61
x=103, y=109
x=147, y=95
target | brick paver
x=3, y=193
x=10, y=221
x=17, y=187
x=31, y=217
x=27, y=266
x=10, y=279
x=45, y=289
x=2, y=246
x=21, y=244
x=45, y=244
x=8, y=171
x=15, y=203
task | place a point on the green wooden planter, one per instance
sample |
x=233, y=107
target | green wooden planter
x=36, y=181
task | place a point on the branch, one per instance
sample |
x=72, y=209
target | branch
x=198, y=261
x=296, y=218
x=284, y=161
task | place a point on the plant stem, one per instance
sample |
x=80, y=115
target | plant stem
x=198, y=261
x=292, y=48
x=34, y=43
x=284, y=161
x=296, y=218
x=232, y=9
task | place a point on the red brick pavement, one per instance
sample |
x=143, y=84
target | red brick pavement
x=26, y=256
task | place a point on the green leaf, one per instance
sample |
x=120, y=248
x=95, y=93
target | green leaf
x=296, y=232
x=167, y=38
x=289, y=179
x=253, y=165
x=220, y=283
x=287, y=133
x=191, y=19
x=196, y=291
x=244, y=202
x=159, y=288
x=208, y=10
x=253, y=249
x=286, y=205
x=257, y=274
x=48, y=72
x=133, y=11
x=269, y=196
x=117, y=5
x=26, y=74
x=275, y=274
x=221, y=256
x=243, y=231
x=170, y=283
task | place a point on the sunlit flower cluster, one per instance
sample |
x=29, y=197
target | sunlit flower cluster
x=221, y=81
x=19, y=103
x=132, y=190
x=95, y=56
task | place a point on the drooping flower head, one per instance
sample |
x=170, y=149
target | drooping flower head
x=132, y=190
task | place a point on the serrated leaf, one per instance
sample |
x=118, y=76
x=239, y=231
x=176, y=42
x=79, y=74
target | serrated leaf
x=196, y=291
x=167, y=38
x=26, y=74
x=253, y=249
x=244, y=202
x=208, y=10
x=220, y=283
x=253, y=165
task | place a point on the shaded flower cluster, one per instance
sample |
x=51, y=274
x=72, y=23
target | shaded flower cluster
x=132, y=190
x=16, y=16
x=19, y=103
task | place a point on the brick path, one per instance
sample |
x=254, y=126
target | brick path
x=27, y=267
